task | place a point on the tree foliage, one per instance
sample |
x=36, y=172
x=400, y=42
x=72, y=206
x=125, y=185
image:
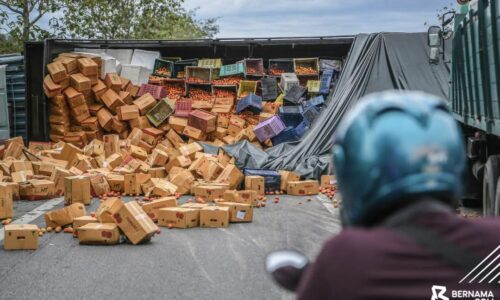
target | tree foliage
x=132, y=19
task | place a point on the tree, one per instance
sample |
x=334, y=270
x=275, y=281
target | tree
x=132, y=19
x=20, y=19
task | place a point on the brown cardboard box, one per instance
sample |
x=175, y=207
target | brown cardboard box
x=83, y=220
x=328, y=181
x=6, y=201
x=14, y=188
x=231, y=196
x=87, y=66
x=138, y=153
x=177, y=123
x=73, y=97
x=77, y=190
x=255, y=183
x=190, y=149
x=107, y=209
x=179, y=217
x=20, y=237
x=157, y=158
x=248, y=197
x=90, y=124
x=194, y=133
x=238, y=212
x=99, y=234
x=126, y=97
x=64, y=216
x=135, y=136
x=232, y=176
x=57, y=72
x=58, y=176
x=114, y=160
x=141, y=122
x=20, y=165
x=214, y=217
x=111, y=144
x=174, y=138
x=159, y=187
x=209, y=192
x=197, y=206
x=287, y=176
x=80, y=83
x=94, y=148
x=179, y=161
x=112, y=100
x=50, y=88
x=135, y=223
x=152, y=135
x=105, y=119
x=99, y=89
x=300, y=188
x=184, y=181
x=133, y=183
x=158, y=172
x=80, y=113
x=210, y=169
x=21, y=176
x=37, y=190
x=100, y=185
x=152, y=208
x=145, y=103
x=113, y=82
x=127, y=112
x=116, y=182
x=69, y=63
x=203, y=120
x=69, y=152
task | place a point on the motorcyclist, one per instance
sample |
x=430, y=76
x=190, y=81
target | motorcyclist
x=399, y=159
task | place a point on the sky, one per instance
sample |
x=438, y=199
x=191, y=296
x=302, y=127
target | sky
x=268, y=18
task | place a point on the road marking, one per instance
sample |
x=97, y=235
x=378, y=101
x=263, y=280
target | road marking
x=326, y=203
x=37, y=212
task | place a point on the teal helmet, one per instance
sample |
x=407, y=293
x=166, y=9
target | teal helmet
x=393, y=148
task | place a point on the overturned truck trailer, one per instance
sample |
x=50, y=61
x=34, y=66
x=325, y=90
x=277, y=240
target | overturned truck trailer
x=374, y=63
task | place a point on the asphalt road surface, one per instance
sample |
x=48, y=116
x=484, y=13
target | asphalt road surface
x=197, y=263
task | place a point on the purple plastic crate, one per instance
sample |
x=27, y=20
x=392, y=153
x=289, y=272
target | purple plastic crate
x=269, y=128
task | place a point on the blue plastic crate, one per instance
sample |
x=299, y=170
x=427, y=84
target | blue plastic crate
x=291, y=115
x=301, y=129
x=272, y=179
x=251, y=103
x=310, y=113
x=326, y=82
x=317, y=101
x=287, y=135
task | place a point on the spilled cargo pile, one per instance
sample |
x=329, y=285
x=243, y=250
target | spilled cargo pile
x=115, y=168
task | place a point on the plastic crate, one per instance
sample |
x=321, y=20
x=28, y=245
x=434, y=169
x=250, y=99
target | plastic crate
x=278, y=66
x=199, y=75
x=160, y=112
x=225, y=91
x=306, y=66
x=301, y=129
x=294, y=95
x=269, y=128
x=269, y=88
x=330, y=64
x=180, y=67
x=230, y=70
x=158, y=92
x=199, y=92
x=254, y=67
x=291, y=115
x=163, y=68
x=210, y=63
x=313, y=86
x=310, y=114
x=287, y=81
x=287, y=135
x=251, y=103
x=172, y=58
x=229, y=80
x=247, y=87
x=175, y=88
x=272, y=179
x=183, y=108
x=326, y=82
x=317, y=101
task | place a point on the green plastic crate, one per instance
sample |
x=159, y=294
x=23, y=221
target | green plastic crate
x=234, y=69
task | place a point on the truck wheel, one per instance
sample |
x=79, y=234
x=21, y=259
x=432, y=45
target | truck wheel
x=491, y=174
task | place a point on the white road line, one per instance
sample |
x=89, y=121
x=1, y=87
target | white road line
x=326, y=203
x=37, y=212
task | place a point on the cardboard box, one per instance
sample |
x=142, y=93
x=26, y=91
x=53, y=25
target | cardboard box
x=105, y=119
x=133, y=183
x=255, y=183
x=238, y=212
x=37, y=189
x=179, y=161
x=184, y=181
x=99, y=89
x=77, y=190
x=135, y=223
x=111, y=144
x=106, y=210
x=50, y=88
x=328, y=181
x=116, y=182
x=179, y=217
x=159, y=187
x=6, y=201
x=177, y=123
x=20, y=237
x=145, y=103
x=300, y=188
x=247, y=197
x=157, y=158
x=287, y=176
x=232, y=176
x=190, y=149
x=140, y=122
x=203, y=120
x=210, y=169
x=210, y=192
x=80, y=82
x=158, y=172
x=193, y=132
x=64, y=216
x=113, y=82
x=99, y=234
x=112, y=100
x=99, y=184
x=214, y=217
x=197, y=206
x=231, y=196
x=152, y=208
x=80, y=221
x=127, y=112
x=87, y=66
x=58, y=176
x=57, y=71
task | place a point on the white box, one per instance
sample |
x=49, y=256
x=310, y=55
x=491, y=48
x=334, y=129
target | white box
x=108, y=65
x=137, y=74
x=145, y=58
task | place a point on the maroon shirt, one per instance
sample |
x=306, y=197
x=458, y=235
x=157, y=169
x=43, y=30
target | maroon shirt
x=380, y=263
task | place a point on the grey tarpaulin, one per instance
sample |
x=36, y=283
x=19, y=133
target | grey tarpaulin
x=376, y=62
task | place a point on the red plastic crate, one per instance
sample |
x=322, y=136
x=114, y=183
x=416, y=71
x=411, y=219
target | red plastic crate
x=158, y=92
x=183, y=108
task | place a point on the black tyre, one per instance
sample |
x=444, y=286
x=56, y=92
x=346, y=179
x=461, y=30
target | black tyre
x=491, y=174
